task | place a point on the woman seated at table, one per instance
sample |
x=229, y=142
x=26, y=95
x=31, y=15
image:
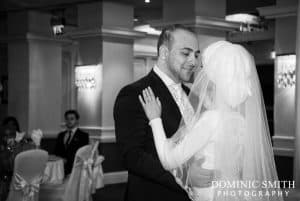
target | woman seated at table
x=12, y=142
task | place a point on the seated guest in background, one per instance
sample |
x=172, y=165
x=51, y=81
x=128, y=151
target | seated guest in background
x=16, y=140
x=36, y=137
x=6, y=161
x=11, y=133
x=12, y=142
x=70, y=140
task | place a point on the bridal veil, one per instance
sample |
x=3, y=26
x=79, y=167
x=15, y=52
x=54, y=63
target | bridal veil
x=229, y=77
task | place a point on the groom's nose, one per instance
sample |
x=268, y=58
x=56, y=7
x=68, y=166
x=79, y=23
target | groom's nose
x=193, y=61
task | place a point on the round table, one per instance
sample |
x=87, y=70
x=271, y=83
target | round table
x=54, y=171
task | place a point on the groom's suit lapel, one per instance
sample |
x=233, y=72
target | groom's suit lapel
x=171, y=115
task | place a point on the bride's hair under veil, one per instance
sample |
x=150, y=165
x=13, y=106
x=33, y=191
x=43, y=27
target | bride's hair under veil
x=229, y=79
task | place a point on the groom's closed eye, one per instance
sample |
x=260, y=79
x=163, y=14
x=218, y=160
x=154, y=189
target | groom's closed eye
x=186, y=54
x=187, y=51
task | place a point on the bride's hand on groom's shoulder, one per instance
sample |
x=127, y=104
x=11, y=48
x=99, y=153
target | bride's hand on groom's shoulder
x=150, y=103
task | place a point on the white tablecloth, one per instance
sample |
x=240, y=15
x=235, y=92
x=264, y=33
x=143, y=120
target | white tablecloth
x=54, y=171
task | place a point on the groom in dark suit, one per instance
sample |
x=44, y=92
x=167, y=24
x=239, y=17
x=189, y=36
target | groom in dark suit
x=70, y=140
x=178, y=53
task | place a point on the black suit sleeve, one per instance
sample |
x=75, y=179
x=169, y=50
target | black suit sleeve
x=85, y=139
x=59, y=144
x=132, y=130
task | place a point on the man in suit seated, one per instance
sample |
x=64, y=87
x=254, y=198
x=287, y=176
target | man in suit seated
x=70, y=140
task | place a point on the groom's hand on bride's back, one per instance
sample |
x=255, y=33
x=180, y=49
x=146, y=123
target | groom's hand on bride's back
x=200, y=177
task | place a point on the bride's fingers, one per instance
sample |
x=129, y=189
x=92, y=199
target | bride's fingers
x=142, y=101
x=145, y=96
x=148, y=95
x=158, y=101
x=206, y=185
x=151, y=93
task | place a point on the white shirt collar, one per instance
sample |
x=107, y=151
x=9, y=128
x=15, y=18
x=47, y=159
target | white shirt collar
x=74, y=130
x=164, y=77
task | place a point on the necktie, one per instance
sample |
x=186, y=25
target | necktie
x=182, y=101
x=69, y=135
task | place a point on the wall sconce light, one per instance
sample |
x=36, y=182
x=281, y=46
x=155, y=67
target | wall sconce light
x=85, y=77
x=286, y=71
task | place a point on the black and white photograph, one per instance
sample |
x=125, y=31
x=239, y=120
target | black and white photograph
x=149, y=100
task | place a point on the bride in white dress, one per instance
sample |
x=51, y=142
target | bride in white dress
x=228, y=131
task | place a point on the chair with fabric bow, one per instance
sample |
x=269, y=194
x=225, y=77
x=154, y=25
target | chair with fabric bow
x=86, y=176
x=28, y=172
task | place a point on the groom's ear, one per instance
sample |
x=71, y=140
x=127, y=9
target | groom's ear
x=163, y=52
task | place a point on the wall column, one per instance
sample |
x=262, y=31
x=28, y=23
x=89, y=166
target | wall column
x=34, y=72
x=197, y=14
x=105, y=38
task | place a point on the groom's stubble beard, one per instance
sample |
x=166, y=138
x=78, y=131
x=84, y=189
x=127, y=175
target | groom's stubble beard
x=180, y=72
x=165, y=65
x=181, y=66
x=178, y=69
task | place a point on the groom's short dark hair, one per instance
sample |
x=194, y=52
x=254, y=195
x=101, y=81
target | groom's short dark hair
x=165, y=38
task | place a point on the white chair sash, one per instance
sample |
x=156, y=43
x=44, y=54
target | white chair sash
x=91, y=177
x=97, y=174
x=86, y=176
x=85, y=183
x=28, y=189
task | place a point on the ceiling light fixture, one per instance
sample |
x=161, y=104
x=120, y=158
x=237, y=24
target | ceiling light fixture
x=148, y=29
x=273, y=54
x=58, y=22
x=147, y=1
x=242, y=17
x=58, y=25
x=248, y=22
